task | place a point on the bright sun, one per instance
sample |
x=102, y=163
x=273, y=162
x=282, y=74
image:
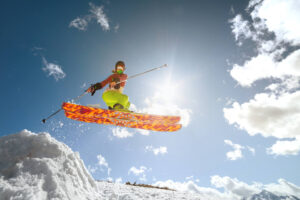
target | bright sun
x=166, y=91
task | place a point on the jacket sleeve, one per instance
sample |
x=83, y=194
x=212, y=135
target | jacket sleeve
x=102, y=84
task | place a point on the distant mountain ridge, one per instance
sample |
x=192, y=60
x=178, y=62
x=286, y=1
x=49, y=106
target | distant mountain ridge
x=266, y=195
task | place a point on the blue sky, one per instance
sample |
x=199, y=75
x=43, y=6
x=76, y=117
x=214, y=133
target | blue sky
x=51, y=51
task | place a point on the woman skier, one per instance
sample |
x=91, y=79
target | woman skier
x=113, y=96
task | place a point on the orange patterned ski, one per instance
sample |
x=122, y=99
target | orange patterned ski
x=155, y=126
x=104, y=113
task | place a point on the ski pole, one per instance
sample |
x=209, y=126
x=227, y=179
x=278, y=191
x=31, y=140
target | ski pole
x=75, y=99
x=139, y=74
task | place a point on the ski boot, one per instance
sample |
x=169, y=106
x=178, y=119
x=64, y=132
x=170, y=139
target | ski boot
x=119, y=107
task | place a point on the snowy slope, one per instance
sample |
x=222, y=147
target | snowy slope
x=36, y=166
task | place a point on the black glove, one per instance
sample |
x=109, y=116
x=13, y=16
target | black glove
x=95, y=87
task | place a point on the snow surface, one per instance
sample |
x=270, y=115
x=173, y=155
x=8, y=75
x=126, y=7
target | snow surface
x=36, y=167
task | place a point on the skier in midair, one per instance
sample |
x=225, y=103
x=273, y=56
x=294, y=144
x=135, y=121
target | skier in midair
x=113, y=96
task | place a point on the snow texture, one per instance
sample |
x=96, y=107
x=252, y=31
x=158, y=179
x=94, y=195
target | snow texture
x=37, y=167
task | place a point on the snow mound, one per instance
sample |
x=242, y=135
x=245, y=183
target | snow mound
x=36, y=166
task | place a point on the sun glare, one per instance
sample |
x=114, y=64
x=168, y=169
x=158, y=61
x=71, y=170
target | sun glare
x=167, y=92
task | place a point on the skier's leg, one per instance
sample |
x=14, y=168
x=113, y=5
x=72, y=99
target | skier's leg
x=113, y=97
x=109, y=97
x=123, y=100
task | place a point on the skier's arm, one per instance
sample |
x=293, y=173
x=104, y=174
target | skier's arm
x=98, y=86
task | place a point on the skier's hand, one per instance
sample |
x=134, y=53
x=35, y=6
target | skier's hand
x=91, y=90
x=112, y=84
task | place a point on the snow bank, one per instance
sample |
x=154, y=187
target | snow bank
x=36, y=166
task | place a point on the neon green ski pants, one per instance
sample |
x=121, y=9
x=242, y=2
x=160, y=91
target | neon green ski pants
x=111, y=98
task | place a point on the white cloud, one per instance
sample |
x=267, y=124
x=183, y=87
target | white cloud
x=92, y=169
x=136, y=171
x=237, y=150
x=119, y=180
x=79, y=23
x=156, y=151
x=266, y=21
x=141, y=172
x=53, y=70
x=121, y=132
x=240, y=28
x=96, y=13
x=190, y=186
x=268, y=115
x=286, y=25
x=143, y=131
x=102, y=162
x=236, y=153
x=285, y=147
x=241, y=189
x=233, y=188
x=274, y=113
x=264, y=66
x=189, y=178
x=257, y=68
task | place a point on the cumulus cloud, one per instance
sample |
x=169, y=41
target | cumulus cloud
x=100, y=165
x=234, y=186
x=283, y=147
x=237, y=150
x=268, y=115
x=286, y=25
x=190, y=186
x=143, y=132
x=236, y=153
x=141, y=172
x=102, y=162
x=271, y=33
x=234, y=189
x=156, y=151
x=264, y=66
x=275, y=112
x=53, y=70
x=96, y=13
x=121, y=132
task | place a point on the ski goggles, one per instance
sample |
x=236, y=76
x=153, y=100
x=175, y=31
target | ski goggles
x=120, y=69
